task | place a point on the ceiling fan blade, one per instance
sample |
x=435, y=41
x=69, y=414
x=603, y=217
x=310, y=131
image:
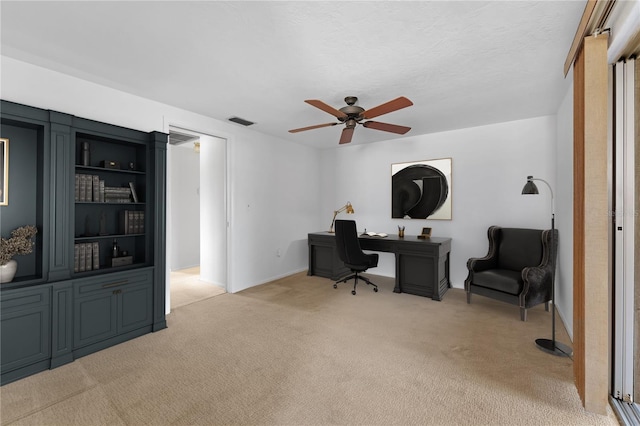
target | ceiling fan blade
x=385, y=127
x=387, y=107
x=326, y=108
x=347, y=134
x=317, y=126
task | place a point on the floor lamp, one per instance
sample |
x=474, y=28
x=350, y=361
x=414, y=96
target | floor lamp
x=550, y=346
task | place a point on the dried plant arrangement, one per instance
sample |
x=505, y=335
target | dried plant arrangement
x=20, y=243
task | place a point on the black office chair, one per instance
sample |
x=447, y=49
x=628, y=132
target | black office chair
x=352, y=255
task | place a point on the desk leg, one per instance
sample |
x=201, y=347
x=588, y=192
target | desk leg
x=397, y=288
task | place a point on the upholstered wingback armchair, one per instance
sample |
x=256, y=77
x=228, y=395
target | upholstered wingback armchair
x=517, y=269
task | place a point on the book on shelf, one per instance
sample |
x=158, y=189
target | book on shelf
x=96, y=255
x=88, y=187
x=95, y=184
x=134, y=194
x=101, y=199
x=76, y=258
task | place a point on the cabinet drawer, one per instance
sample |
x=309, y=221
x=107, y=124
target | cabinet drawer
x=15, y=300
x=119, y=280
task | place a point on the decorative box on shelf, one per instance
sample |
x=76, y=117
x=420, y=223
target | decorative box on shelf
x=121, y=261
x=108, y=164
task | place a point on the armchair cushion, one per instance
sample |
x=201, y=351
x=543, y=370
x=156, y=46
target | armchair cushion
x=500, y=279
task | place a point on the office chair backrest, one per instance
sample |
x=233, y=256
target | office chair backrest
x=347, y=243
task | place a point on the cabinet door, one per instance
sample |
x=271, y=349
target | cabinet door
x=108, y=305
x=135, y=307
x=25, y=327
x=95, y=318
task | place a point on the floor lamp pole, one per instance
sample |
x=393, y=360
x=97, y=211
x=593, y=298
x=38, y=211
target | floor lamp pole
x=546, y=345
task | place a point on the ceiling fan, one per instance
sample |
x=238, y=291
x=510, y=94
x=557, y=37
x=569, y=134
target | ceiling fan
x=352, y=114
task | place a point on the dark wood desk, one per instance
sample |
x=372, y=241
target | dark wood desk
x=422, y=265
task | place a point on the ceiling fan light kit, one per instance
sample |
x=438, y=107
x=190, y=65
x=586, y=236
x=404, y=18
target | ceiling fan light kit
x=352, y=115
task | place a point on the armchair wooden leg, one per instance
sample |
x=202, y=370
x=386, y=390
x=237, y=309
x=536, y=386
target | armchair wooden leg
x=468, y=297
x=546, y=306
x=523, y=314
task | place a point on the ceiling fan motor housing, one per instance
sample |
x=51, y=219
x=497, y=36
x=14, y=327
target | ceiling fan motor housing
x=352, y=110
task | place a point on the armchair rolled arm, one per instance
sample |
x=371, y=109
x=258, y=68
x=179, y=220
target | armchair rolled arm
x=478, y=264
x=537, y=285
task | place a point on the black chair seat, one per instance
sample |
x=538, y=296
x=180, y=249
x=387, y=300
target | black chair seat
x=500, y=279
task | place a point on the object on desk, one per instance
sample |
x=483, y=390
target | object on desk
x=401, y=231
x=426, y=233
x=108, y=164
x=348, y=207
x=375, y=234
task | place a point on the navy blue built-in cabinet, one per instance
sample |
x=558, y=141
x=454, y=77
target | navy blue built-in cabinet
x=87, y=186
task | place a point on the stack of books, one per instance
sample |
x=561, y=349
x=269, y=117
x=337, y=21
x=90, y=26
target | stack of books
x=131, y=222
x=89, y=188
x=86, y=257
x=116, y=194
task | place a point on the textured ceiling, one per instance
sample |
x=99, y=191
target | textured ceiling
x=461, y=63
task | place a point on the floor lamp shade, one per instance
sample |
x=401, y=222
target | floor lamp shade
x=549, y=345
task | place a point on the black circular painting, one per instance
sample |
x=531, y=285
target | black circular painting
x=417, y=191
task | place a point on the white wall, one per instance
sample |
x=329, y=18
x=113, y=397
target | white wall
x=490, y=166
x=183, y=173
x=213, y=209
x=275, y=196
x=564, y=209
x=273, y=183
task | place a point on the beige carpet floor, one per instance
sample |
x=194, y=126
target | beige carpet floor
x=298, y=352
x=186, y=287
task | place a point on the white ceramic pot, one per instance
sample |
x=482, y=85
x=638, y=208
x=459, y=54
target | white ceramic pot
x=8, y=271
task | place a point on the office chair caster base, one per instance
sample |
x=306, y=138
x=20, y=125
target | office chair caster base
x=353, y=292
x=375, y=289
x=335, y=286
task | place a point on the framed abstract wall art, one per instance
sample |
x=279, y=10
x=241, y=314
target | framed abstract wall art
x=4, y=172
x=421, y=190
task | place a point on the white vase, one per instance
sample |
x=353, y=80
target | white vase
x=8, y=271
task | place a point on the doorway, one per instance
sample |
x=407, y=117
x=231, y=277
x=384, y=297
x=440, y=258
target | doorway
x=196, y=217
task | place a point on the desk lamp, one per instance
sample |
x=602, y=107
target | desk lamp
x=550, y=346
x=348, y=207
